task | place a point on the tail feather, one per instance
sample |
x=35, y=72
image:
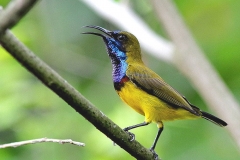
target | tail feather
x=213, y=119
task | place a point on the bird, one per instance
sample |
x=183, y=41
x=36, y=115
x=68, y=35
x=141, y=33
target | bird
x=143, y=89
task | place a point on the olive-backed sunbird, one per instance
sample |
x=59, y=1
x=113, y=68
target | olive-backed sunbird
x=141, y=88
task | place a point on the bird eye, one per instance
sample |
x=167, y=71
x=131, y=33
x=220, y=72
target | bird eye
x=121, y=37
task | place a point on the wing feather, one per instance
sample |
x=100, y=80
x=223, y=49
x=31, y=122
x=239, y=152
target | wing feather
x=153, y=84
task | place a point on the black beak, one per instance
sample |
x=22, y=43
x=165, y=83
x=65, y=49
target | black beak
x=107, y=32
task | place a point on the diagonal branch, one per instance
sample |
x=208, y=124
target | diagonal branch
x=70, y=95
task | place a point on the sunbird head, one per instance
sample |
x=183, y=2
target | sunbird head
x=121, y=45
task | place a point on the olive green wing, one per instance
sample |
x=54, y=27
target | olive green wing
x=153, y=84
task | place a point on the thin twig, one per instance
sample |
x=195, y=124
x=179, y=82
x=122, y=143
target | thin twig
x=40, y=140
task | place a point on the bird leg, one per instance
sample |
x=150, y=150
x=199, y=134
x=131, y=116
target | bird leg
x=132, y=127
x=155, y=142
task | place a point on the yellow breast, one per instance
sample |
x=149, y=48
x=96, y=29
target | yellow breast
x=150, y=106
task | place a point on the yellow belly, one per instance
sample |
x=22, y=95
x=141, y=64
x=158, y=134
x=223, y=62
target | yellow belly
x=150, y=106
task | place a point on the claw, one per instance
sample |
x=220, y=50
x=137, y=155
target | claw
x=155, y=155
x=132, y=136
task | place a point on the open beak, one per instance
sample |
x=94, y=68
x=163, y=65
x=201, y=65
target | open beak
x=107, y=32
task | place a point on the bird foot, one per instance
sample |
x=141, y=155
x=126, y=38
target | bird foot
x=132, y=136
x=155, y=155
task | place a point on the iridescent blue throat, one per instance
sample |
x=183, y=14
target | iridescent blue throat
x=119, y=70
x=118, y=59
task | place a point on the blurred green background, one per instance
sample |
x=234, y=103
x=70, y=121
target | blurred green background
x=52, y=30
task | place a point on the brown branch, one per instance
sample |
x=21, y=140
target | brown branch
x=70, y=95
x=40, y=140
